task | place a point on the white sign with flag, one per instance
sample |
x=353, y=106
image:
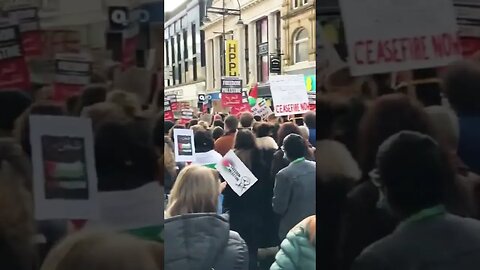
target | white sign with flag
x=237, y=175
x=289, y=94
x=391, y=36
x=261, y=109
x=184, y=145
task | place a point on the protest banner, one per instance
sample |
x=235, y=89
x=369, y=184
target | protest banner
x=64, y=174
x=173, y=101
x=237, y=175
x=184, y=145
x=468, y=13
x=29, y=26
x=289, y=94
x=72, y=73
x=14, y=73
x=244, y=107
x=231, y=91
x=391, y=36
x=168, y=113
x=186, y=116
x=261, y=109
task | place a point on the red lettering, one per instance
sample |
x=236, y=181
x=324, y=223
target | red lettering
x=424, y=54
x=358, y=46
x=404, y=48
x=438, y=47
x=389, y=51
x=369, y=52
x=381, y=52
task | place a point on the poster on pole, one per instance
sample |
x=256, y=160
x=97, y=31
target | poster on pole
x=231, y=91
x=64, y=174
x=186, y=116
x=168, y=113
x=184, y=145
x=261, y=109
x=72, y=73
x=173, y=101
x=391, y=36
x=289, y=94
x=237, y=175
x=29, y=26
x=14, y=73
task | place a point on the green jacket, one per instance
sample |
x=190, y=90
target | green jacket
x=296, y=251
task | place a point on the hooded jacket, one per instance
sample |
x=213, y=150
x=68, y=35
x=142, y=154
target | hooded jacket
x=203, y=242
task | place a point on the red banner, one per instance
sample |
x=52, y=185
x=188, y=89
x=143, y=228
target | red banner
x=29, y=25
x=240, y=109
x=63, y=91
x=168, y=113
x=32, y=43
x=470, y=46
x=14, y=72
x=72, y=73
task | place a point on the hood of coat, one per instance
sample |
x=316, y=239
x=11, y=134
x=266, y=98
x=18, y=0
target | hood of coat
x=194, y=241
x=333, y=158
x=266, y=143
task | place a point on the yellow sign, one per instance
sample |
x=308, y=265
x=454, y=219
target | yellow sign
x=231, y=55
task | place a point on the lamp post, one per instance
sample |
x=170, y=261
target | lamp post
x=223, y=11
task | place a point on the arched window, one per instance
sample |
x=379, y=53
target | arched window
x=300, y=46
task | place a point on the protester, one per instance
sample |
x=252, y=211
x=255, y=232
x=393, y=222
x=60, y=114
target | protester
x=92, y=94
x=246, y=120
x=12, y=105
x=217, y=132
x=310, y=120
x=103, y=250
x=197, y=237
x=218, y=123
x=411, y=173
x=127, y=101
x=204, y=149
x=225, y=143
x=103, y=112
x=263, y=139
x=294, y=191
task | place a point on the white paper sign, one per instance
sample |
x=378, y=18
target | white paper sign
x=184, y=145
x=237, y=175
x=289, y=94
x=64, y=174
x=261, y=109
x=391, y=35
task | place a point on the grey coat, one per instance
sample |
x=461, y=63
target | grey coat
x=203, y=242
x=446, y=242
x=294, y=194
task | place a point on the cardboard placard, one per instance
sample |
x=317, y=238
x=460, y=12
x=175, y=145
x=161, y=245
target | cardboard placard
x=289, y=94
x=261, y=109
x=237, y=175
x=184, y=145
x=29, y=26
x=14, y=73
x=72, y=73
x=231, y=91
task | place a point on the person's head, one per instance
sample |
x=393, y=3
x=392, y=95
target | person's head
x=413, y=172
x=285, y=130
x=204, y=124
x=203, y=141
x=192, y=123
x=217, y=132
x=246, y=120
x=197, y=128
x=445, y=125
x=231, y=123
x=245, y=140
x=167, y=126
x=263, y=130
x=388, y=115
x=294, y=147
x=271, y=118
x=92, y=94
x=310, y=120
x=103, y=112
x=461, y=83
x=218, y=123
x=12, y=105
x=196, y=190
x=127, y=101
x=304, y=132
x=103, y=250
x=217, y=117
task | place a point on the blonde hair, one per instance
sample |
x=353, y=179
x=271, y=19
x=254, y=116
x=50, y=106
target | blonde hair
x=196, y=190
x=99, y=250
x=127, y=101
x=102, y=112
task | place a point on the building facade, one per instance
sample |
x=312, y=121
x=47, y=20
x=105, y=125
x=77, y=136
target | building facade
x=184, y=52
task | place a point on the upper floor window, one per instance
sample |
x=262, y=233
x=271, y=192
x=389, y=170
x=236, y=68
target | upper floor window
x=300, y=46
x=298, y=3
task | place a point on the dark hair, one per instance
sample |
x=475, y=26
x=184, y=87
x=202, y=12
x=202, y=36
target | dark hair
x=245, y=140
x=415, y=172
x=286, y=129
x=295, y=146
x=123, y=161
x=257, y=118
x=263, y=130
x=203, y=141
x=382, y=80
x=217, y=132
x=246, y=119
x=192, y=123
x=92, y=95
x=310, y=119
x=72, y=104
x=218, y=123
x=12, y=104
x=231, y=123
x=388, y=115
x=168, y=125
x=158, y=131
x=462, y=84
x=429, y=94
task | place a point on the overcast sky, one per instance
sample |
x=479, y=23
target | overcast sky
x=172, y=4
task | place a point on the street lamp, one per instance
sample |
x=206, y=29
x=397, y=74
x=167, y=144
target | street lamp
x=224, y=12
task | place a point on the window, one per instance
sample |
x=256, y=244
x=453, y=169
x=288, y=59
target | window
x=172, y=47
x=212, y=55
x=194, y=39
x=174, y=76
x=202, y=48
x=247, y=56
x=179, y=48
x=279, y=31
x=167, y=59
x=298, y=3
x=305, y=2
x=185, y=45
x=179, y=73
x=300, y=46
x=262, y=50
x=195, y=76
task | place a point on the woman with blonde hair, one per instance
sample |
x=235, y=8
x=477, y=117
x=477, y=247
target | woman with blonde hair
x=191, y=220
x=98, y=250
x=127, y=101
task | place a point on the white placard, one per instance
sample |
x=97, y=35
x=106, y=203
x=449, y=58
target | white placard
x=237, y=175
x=392, y=35
x=64, y=174
x=261, y=109
x=289, y=94
x=184, y=145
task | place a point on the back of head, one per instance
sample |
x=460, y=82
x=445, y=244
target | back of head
x=218, y=123
x=414, y=172
x=295, y=147
x=310, y=119
x=91, y=95
x=461, y=82
x=104, y=251
x=103, y=112
x=445, y=125
x=231, y=123
x=192, y=123
x=195, y=191
x=245, y=140
x=246, y=119
x=167, y=126
x=217, y=132
x=12, y=105
x=285, y=130
x=203, y=141
x=127, y=101
x=263, y=130
x=203, y=124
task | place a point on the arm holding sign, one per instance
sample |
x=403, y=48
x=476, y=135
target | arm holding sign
x=281, y=193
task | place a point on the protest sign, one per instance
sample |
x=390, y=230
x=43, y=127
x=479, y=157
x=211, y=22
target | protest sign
x=72, y=73
x=244, y=107
x=468, y=13
x=168, y=111
x=14, y=73
x=237, y=175
x=173, y=101
x=231, y=91
x=184, y=145
x=390, y=36
x=186, y=116
x=29, y=26
x=64, y=174
x=261, y=109
x=289, y=94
